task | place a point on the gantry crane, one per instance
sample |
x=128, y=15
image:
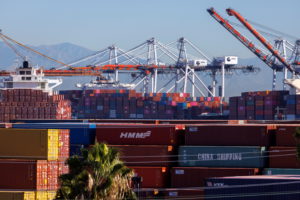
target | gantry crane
x=267, y=59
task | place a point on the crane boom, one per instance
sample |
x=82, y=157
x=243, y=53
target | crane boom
x=274, y=52
x=240, y=37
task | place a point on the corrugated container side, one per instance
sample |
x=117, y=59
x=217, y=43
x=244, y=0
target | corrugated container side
x=195, y=176
x=283, y=157
x=222, y=156
x=53, y=144
x=147, y=155
x=23, y=175
x=285, y=135
x=230, y=135
x=27, y=144
x=17, y=195
x=139, y=135
x=152, y=177
x=275, y=187
x=280, y=171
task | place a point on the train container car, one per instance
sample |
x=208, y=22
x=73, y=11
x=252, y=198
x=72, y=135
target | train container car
x=139, y=134
x=195, y=176
x=147, y=155
x=222, y=156
x=35, y=144
x=230, y=135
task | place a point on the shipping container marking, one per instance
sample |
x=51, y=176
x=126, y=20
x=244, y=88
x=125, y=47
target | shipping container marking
x=219, y=156
x=135, y=134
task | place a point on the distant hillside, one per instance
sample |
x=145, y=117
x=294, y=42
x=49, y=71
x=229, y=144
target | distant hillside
x=67, y=52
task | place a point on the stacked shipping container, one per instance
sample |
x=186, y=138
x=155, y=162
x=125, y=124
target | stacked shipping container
x=32, y=104
x=128, y=104
x=260, y=105
x=31, y=161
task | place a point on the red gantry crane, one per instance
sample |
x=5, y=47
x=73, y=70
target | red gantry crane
x=258, y=52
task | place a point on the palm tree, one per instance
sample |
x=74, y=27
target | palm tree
x=98, y=174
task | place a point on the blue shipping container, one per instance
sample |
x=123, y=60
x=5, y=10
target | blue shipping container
x=80, y=133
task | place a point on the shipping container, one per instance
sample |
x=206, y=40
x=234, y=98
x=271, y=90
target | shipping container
x=17, y=195
x=151, y=177
x=80, y=133
x=27, y=195
x=139, y=134
x=171, y=193
x=29, y=144
x=283, y=157
x=222, y=156
x=147, y=155
x=280, y=171
x=230, y=135
x=253, y=187
x=285, y=135
x=24, y=174
x=195, y=176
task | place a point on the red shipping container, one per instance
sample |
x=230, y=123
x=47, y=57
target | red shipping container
x=152, y=177
x=139, y=134
x=63, y=144
x=230, y=135
x=195, y=176
x=283, y=157
x=171, y=193
x=52, y=178
x=285, y=135
x=147, y=155
x=23, y=174
x=63, y=168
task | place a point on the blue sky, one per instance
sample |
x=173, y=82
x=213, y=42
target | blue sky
x=95, y=24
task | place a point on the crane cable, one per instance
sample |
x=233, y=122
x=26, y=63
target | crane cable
x=12, y=47
x=20, y=44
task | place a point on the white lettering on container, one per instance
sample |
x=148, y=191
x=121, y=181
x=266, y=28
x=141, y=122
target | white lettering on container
x=135, y=134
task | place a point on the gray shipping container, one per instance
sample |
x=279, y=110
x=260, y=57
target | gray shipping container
x=222, y=156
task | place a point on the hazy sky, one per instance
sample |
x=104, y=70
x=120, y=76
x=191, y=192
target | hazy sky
x=95, y=24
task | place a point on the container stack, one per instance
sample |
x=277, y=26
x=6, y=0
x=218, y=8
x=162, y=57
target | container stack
x=32, y=104
x=31, y=162
x=260, y=105
x=280, y=175
x=81, y=134
x=150, y=150
x=220, y=150
x=129, y=104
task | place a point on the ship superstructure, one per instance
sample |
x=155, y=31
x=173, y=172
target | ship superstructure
x=28, y=77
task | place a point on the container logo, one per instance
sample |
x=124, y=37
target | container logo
x=219, y=156
x=135, y=134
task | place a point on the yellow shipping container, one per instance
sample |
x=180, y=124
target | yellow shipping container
x=28, y=195
x=34, y=144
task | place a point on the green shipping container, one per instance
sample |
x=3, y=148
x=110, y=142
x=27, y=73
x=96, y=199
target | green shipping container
x=280, y=171
x=222, y=156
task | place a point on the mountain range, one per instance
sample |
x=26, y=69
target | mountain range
x=67, y=52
